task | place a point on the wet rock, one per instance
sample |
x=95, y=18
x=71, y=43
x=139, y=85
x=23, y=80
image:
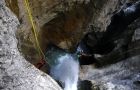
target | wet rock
x=119, y=76
x=67, y=28
x=120, y=69
x=85, y=85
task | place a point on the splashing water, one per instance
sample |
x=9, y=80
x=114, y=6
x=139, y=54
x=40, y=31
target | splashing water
x=66, y=71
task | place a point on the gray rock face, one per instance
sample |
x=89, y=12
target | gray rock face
x=124, y=75
x=15, y=72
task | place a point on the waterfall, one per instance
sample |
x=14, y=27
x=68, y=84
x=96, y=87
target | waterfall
x=66, y=71
x=64, y=67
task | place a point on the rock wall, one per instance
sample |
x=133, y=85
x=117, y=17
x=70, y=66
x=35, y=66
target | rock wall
x=46, y=12
x=68, y=35
x=15, y=72
x=123, y=75
x=120, y=76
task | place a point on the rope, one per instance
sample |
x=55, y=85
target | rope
x=27, y=6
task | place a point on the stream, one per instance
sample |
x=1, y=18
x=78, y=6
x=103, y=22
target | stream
x=64, y=67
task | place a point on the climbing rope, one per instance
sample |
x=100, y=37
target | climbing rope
x=27, y=6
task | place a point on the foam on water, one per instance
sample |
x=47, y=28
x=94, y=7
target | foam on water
x=66, y=71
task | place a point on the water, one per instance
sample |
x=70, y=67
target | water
x=64, y=67
x=66, y=71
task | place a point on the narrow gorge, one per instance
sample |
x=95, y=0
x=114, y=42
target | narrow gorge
x=70, y=45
